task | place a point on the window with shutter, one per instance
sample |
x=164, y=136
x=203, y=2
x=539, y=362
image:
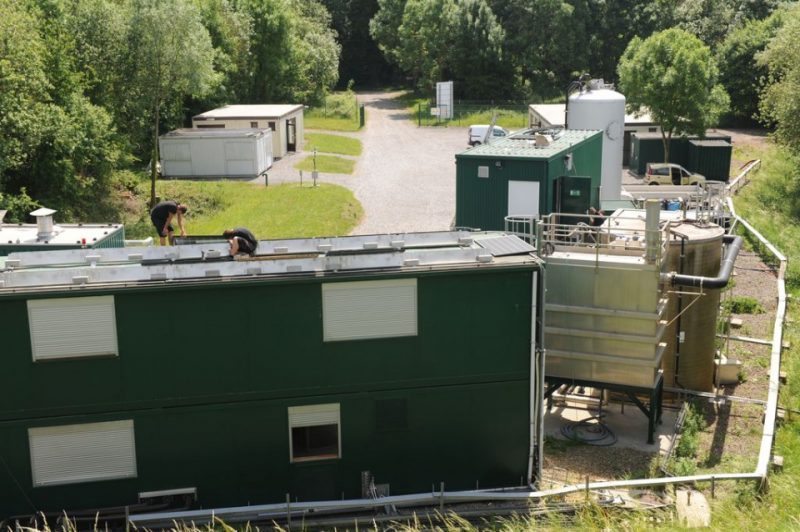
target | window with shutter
x=314, y=432
x=73, y=327
x=69, y=454
x=369, y=309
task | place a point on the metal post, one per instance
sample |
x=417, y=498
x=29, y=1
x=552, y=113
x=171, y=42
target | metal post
x=587, y=489
x=441, y=497
x=713, y=487
x=127, y=518
x=288, y=511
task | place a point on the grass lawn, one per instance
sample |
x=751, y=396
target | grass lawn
x=466, y=115
x=278, y=211
x=332, y=144
x=339, y=112
x=329, y=164
x=314, y=120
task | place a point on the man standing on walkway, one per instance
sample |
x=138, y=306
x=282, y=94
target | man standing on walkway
x=162, y=215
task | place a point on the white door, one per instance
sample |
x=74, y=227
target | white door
x=523, y=198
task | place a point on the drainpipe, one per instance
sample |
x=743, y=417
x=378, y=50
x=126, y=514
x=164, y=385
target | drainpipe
x=534, y=405
x=734, y=244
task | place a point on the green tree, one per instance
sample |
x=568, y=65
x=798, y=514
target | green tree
x=780, y=103
x=384, y=28
x=673, y=74
x=24, y=86
x=315, y=52
x=171, y=57
x=741, y=75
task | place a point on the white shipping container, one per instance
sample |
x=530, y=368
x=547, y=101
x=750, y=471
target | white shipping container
x=222, y=153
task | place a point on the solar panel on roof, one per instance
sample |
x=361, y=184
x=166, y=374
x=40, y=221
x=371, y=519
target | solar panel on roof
x=500, y=246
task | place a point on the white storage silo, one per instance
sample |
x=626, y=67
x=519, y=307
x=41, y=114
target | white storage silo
x=598, y=106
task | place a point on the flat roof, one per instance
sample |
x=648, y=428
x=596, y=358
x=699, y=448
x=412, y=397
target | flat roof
x=390, y=254
x=214, y=133
x=63, y=234
x=553, y=113
x=250, y=111
x=521, y=145
x=710, y=135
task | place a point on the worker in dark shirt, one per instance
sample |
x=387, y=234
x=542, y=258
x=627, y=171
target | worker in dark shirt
x=596, y=217
x=162, y=215
x=241, y=240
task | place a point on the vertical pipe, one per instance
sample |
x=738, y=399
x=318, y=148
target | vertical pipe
x=652, y=234
x=533, y=404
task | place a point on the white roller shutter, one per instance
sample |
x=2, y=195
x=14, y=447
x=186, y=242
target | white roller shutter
x=369, y=309
x=72, y=327
x=313, y=415
x=82, y=453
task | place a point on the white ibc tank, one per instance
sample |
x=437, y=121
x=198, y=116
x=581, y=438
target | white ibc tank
x=601, y=107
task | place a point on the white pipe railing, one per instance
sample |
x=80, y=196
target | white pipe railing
x=744, y=177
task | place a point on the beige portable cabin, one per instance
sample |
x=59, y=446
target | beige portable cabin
x=547, y=115
x=285, y=121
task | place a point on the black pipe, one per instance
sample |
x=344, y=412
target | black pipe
x=734, y=244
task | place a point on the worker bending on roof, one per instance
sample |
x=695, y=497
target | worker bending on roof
x=241, y=240
x=596, y=217
x=162, y=215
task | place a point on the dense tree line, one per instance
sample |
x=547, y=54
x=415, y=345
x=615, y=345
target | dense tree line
x=531, y=49
x=86, y=86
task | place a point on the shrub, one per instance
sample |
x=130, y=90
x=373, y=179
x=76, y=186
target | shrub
x=743, y=305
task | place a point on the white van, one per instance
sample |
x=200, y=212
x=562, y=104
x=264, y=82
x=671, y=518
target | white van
x=478, y=132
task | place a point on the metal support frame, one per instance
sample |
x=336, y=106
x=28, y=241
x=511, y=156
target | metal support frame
x=653, y=409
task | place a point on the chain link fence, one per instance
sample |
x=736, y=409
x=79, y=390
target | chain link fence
x=510, y=114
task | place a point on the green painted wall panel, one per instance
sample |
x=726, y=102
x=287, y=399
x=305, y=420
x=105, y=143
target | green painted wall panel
x=649, y=148
x=207, y=375
x=239, y=453
x=180, y=346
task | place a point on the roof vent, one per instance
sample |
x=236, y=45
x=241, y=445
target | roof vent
x=44, y=222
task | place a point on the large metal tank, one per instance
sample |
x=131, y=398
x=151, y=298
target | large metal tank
x=692, y=313
x=599, y=107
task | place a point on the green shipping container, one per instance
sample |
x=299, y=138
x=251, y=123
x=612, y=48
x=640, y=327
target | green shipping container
x=513, y=176
x=649, y=148
x=711, y=158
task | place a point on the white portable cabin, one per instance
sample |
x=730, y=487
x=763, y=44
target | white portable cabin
x=241, y=153
x=285, y=122
x=551, y=115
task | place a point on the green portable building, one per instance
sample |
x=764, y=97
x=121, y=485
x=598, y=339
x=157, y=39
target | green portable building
x=649, y=148
x=151, y=370
x=519, y=175
x=46, y=235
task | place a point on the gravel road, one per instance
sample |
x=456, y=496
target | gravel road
x=405, y=177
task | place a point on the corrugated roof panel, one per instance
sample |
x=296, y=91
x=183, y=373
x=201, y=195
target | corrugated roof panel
x=501, y=246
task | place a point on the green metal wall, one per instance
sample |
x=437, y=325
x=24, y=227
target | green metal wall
x=711, y=159
x=214, y=415
x=649, y=148
x=482, y=203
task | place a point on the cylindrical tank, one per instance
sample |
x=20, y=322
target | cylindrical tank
x=688, y=362
x=600, y=107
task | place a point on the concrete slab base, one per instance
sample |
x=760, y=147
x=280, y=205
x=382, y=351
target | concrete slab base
x=628, y=423
x=692, y=508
